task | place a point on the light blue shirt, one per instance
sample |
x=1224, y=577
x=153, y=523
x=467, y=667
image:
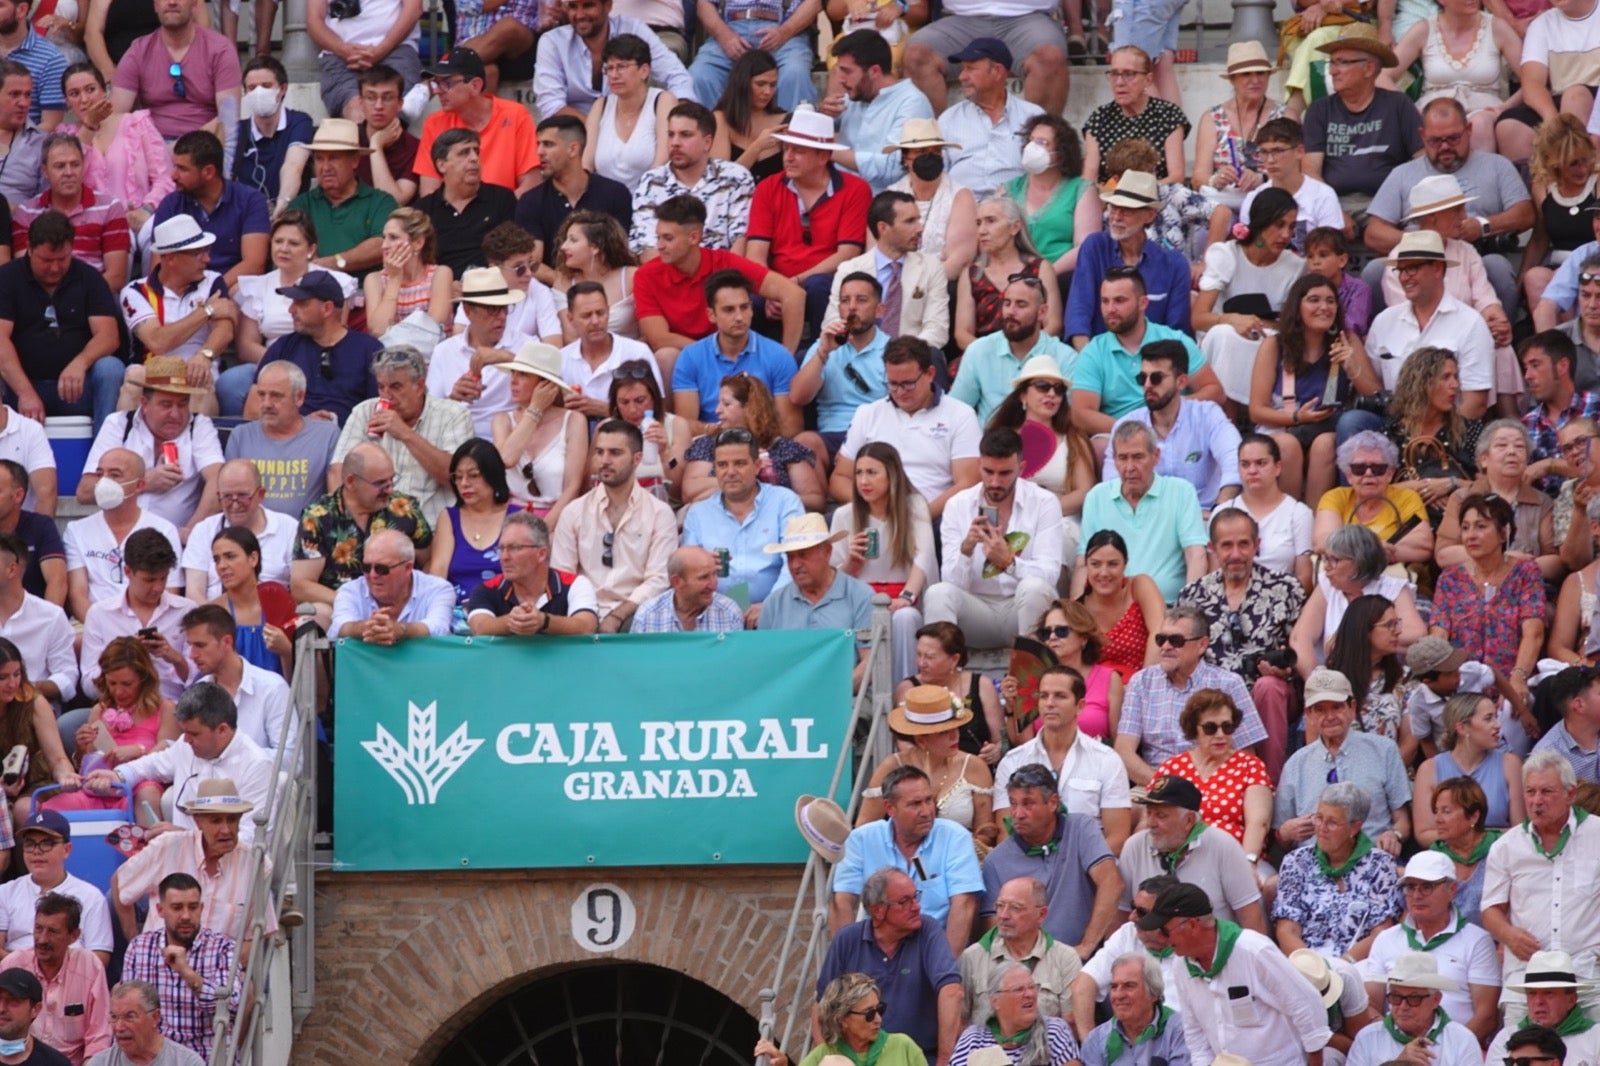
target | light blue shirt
x=702, y=366
x=1166, y=522
x=432, y=602
x=988, y=368
x=710, y=525
x=840, y=395
x=1107, y=369
x=564, y=66
x=1203, y=448
x=949, y=866
x=1563, y=288
x=846, y=605
x=991, y=152
x=868, y=126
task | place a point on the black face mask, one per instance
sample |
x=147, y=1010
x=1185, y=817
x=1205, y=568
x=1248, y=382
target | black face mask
x=928, y=167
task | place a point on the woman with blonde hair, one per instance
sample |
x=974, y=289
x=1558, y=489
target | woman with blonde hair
x=1563, y=168
x=1471, y=749
x=1004, y=251
x=134, y=714
x=594, y=247
x=1425, y=406
x=411, y=278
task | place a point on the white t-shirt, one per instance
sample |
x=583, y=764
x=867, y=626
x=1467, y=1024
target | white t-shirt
x=90, y=546
x=1468, y=958
x=1318, y=204
x=453, y=357
x=1285, y=532
x=596, y=383
x=18, y=899
x=198, y=448
x=24, y=441
x=277, y=547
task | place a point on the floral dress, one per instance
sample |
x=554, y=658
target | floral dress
x=1221, y=794
x=1489, y=628
x=1243, y=140
x=986, y=297
x=1335, y=913
x=1381, y=710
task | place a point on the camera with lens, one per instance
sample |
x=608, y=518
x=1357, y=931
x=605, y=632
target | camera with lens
x=344, y=9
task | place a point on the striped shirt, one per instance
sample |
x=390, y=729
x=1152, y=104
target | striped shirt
x=101, y=226
x=224, y=895
x=186, y=1015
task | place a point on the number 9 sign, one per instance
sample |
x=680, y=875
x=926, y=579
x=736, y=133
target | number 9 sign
x=603, y=918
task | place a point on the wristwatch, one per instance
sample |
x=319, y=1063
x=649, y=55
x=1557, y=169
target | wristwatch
x=211, y=312
x=1484, y=222
x=208, y=353
x=339, y=261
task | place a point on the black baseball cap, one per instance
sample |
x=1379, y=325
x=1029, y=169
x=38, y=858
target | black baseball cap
x=20, y=982
x=984, y=48
x=1180, y=901
x=315, y=285
x=1170, y=790
x=462, y=61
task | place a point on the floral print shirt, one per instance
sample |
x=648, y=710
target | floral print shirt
x=1489, y=629
x=1272, y=604
x=1334, y=914
x=328, y=532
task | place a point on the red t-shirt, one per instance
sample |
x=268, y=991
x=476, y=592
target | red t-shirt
x=840, y=217
x=667, y=292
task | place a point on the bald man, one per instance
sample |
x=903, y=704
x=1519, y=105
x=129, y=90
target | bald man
x=95, y=544
x=693, y=604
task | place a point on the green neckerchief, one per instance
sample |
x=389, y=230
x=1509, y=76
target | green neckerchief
x=1116, y=1043
x=987, y=941
x=1008, y=1039
x=1359, y=852
x=1227, y=936
x=1403, y=1038
x=1171, y=859
x=1433, y=942
x=871, y=1057
x=1575, y=1022
x=1037, y=851
x=1160, y=953
x=1478, y=852
x=1578, y=815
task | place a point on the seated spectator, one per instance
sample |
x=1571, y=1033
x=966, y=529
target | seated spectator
x=991, y=362
x=132, y=711
x=391, y=601
x=1416, y=989
x=850, y=332
x=267, y=131
x=852, y=1015
x=594, y=247
x=455, y=369
x=1014, y=1002
x=1009, y=560
x=58, y=360
x=1553, y=1005
x=466, y=549
x=27, y=139
x=1548, y=365
x=334, y=528
x=76, y=1019
x=124, y=154
x=948, y=210
x=97, y=544
x=693, y=604
x=1283, y=523
x=391, y=165
x=1232, y=786
x=336, y=361
x=503, y=128
x=870, y=103
x=510, y=249
x=232, y=213
x=24, y=444
x=897, y=228
x=635, y=397
x=181, y=486
x=46, y=841
x=1364, y=760
x=781, y=29
x=670, y=290
x=1440, y=671
x=201, y=97
x=732, y=349
x=1134, y=113
x=223, y=649
x=351, y=42
x=264, y=611
x=1073, y=636
x=190, y=981
x=100, y=224
x=1353, y=564
x=1571, y=626
x=1370, y=463
x=629, y=103
x=740, y=519
x=1138, y=1014
x=180, y=313
x=1039, y=396
x=1165, y=273
x=1502, y=472
x=941, y=657
x=1471, y=748
x=347, y=214
x=411, y=279
x=692, y=169
x=941, y=722
x=817, y=595
x=1059, y=205
x=529, y=597
x=28, y=721
x=746, y=404
x=1019, y=910
x=617, y=534
x=1228, y=148
x=1282, y=147
x=1328, y=254
x=545, y=463
x=418, y=431
x=1506, y=633
x=1563, y=164
x=1365, y=649
x=1424, y=406
x=748, y=115
x=1564, y=295
x=146, y=609
x=46, y=574
x=564, y=81
x=1005, y=250
x=1168, y=529
x=1094, y=982
x=568, y=186
x=135, y=1026
x=1197, y=442
x=464, y=207
x=1338, y=894
x=1359, y=132
x=987, y=121
x=1554, y=64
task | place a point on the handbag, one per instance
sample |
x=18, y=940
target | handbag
x=1425, y=458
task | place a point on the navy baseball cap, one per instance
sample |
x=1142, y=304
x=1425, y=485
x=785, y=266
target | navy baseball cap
x=315, y=285
x=984, y=48
x=42, y=821
x=462, y=61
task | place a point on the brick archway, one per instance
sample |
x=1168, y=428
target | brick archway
x=404, y=964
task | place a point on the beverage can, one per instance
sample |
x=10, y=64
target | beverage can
x=724, y=561
x=169, y=452
x=871, y=551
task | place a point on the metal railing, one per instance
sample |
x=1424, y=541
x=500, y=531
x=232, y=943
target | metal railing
x=284, y=849
x=873, y=702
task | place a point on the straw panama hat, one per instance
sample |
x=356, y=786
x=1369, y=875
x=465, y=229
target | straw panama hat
x=487, y=286
x=1550, y=969
x=1041, y=367
x=1419, y=246
x=1135, y=189
x=809, y=128
x=1435, y=193
x=166, y=373
x=539, y=359
x=1359, y=37
x=337, y=135
x=920, y=133
x=1314, y=968
x=824, y=825
x=928, y=709
x=802, y=532
x=217, y=795
x=1246, y=57
x=1418, y=969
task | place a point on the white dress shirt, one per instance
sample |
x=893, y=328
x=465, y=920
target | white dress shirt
x=263, y=702
x=1091, y=777
x=1555, y=901
x=112, y=618
x=453, y=357
x=1453, y=326
x=43, y=635
x=1034, y=511
x=1277, y=1020
x=595, y=381
x=432, y=602
x=242, y=762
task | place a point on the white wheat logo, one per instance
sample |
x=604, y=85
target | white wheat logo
x=422, y=765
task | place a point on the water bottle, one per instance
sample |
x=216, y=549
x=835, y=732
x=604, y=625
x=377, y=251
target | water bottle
x=652, y=452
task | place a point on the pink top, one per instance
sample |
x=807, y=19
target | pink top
x=413, y=297
x=139, y=170
x=1094, y=717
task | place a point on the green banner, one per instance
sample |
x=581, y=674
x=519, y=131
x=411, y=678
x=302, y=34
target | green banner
x=628, y=750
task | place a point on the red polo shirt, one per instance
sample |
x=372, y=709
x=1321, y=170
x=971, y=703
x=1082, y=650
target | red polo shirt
x=839, y=217
x=659, y=289
x=100, y=226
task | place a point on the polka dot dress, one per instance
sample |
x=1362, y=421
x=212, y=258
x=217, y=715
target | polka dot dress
x=1125, y=644
x=1110, y=127
x=1221, y=794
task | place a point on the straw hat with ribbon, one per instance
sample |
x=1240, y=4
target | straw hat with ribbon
x=802, y=532
x=536, y=358
x=929, y=709
x=338, y=135
x=824, y=825
x=486, y=285
x=216, y=795
x=168, y=373
x=1419, y=246
x=920, y=133
x=1435, y=193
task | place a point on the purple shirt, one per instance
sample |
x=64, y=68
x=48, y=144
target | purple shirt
x=210, y=66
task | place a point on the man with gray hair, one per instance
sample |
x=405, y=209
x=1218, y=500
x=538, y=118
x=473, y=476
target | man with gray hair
x=693, y=603
x=1158, y=516
x=529, y=597
x=240, y=494
x=291, y=451
x=418, y=431
x=1018, y=936
x=1140, y=1023
x=1539, y=879
x=392, y=601
x=136, y=1028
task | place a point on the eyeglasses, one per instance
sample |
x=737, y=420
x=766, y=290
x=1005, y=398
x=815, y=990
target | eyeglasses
x=1580, y=445
x=36, y=845
x=1369, y=469
x=905, y=901
x=178, y=90
x=871, y=1014
x=1126, y=75
x=1029, y=987
x=1176, y=640
x=1392, y=625
x=1140, y=912
x=381, y=569
x=504, y=547
x=1410, y=999
x=326, y=365
x=521, y=268
x=1154, y=377
x=1584, y=279
x=606, y=542
x=633, y=370
x=903, y=386
x=1235, y=629
x=1419, y=886
x=446, y=84
x=1443, y=142
x=612, y=70
x=1210, y=728
x=1272, y=153
x=235, y=497
x=1405, y=270
x=1053, y=632
x=1049, y=386
x=386, y=485
x=52, y=320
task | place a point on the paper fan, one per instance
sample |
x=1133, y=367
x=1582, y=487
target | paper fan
x=1038, y=445
x=1029, y=659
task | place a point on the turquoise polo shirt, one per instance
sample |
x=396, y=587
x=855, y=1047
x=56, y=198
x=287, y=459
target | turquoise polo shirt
x=1107, y=368
x=944, y=865
x=846, y=605
x=988, y=366
x=1166, y=522
x=841, y=392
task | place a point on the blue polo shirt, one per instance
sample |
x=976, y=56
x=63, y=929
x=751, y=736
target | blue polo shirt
x=841, y=393
x=1064, y=871
x=1166, y=277
x=702, y=366
x=710, y=525
x=988, y=367
x=1166, y=521
x=257, y=160
x=948, y=865
x=1107, y=368
x=909, y=980
x=349, y=378
x=846, y=605
x=241, y=210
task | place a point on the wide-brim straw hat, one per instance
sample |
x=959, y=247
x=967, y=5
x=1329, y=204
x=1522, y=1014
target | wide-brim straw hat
x=487, y=286
x=802, y=532
x=928, y=709
x=1135, y=189
x=1314, y=968
x=1359, y=37
x=536, y=358
x=1435, y=193
x=823, y=824
x=1550, y=969
x=216, y=795
x=808, y=128
x=920, y=133
x=338, y=135
x=169, y=373
x=1419, y=246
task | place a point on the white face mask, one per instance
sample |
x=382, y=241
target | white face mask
x=109, y=494
x=1035, y=158
x=260, y=102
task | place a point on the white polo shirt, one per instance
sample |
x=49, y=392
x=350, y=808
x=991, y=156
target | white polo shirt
x=92, y=549
x=263, y=702
x=198, y=449
x=595, y=382
x=277, y=547
x=24, y=440
x=929, y=440
x=1468, y=957
x=1091, y=777
x=1454, y=326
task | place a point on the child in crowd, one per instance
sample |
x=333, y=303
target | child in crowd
x=1281, y=147
x=1327, y=254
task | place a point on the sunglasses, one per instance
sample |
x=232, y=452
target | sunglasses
x=1410, y=999
x=1369, y=469
x=634, y=370
x=1030, y=280
x=178, y=89
x=871, y=1014
x=1032, y=779
x=1154, y=377
x=1584, y=279
x=1053, y=632
x=1176, y=640
x=1049, y=386
x=381, y=569
x=607, y=542
x=1210, y=728
x=856, y=379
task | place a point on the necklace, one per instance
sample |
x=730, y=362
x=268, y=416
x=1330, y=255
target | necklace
x=1255, y=127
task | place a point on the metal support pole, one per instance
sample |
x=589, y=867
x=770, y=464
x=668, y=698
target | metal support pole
x=299, y=54
x=1253, y=19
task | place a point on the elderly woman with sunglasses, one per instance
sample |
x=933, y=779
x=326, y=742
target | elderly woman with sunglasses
x=1352, y=566
x=850, y=1014
x=1235, y=788
x=1370, y=462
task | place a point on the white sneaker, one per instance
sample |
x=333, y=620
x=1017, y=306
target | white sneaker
x=415, y=100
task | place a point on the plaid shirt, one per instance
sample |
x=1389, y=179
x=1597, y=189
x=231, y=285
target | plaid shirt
x=1542, y=432
x=186, y=1015
x=658, y=615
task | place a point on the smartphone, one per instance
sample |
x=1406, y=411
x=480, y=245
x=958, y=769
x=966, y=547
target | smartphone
x=102, y=739
x=169, y=452
x=149, y=633
x=990, y=515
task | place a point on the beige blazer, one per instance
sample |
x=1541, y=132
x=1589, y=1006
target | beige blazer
x=925, y=294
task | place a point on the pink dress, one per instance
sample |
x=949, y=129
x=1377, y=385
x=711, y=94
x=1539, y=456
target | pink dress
x=138, y=171
x=139, y=731
x=413, y=297
x=1095, y=716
